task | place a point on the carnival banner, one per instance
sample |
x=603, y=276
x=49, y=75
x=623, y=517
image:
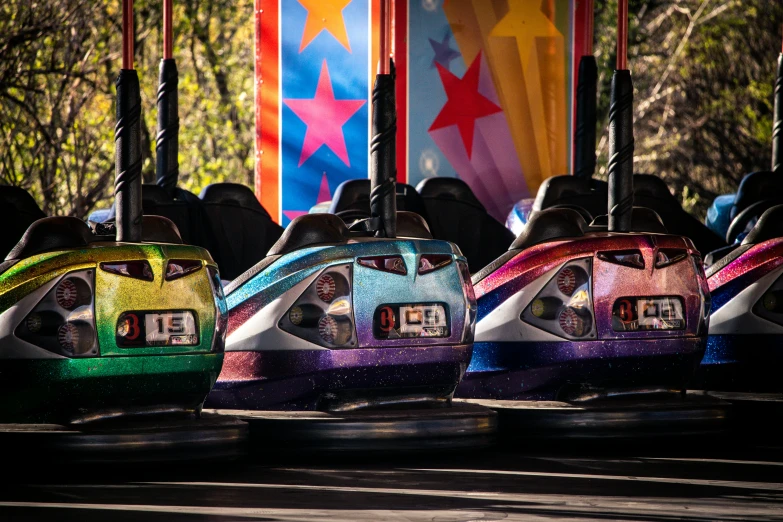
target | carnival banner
x=484, y=94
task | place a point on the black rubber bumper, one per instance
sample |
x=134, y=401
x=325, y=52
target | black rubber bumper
x=446, y=428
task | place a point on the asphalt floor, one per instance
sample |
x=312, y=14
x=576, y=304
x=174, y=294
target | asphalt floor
x=696, y=479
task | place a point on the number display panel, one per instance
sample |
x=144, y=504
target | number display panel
x=398, y=321
x=631, y=314
x=157, y=328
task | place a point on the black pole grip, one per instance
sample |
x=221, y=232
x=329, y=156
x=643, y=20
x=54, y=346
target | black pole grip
x=777, y=125
x=127, y=147
x=383, y=161
x=621, y=147
x=586, y=94
x=167, y=141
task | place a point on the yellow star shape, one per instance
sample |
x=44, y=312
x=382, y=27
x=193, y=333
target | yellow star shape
x=325, y=15
x=525, y=21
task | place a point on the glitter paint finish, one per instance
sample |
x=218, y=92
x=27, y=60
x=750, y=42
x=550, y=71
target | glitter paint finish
x=622, y=359
x=389, y=371
x=293, y=268
x=748, y=362
x=191, y=292
x=181, y=376
x=303, y=379
x=546, y=370
x=55, y=390
x=610, y=281
x=748, y=268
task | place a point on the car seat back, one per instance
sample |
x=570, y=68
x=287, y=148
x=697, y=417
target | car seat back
x=572, y=192
x=18, y=210
x=651, y=192
x=243, y=230
x=456, y=215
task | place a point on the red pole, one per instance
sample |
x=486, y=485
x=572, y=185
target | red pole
x=127, y=34
x=588, y=28
x=168, y=30
x=385, y=36
x=622, y=35
x=258, y=36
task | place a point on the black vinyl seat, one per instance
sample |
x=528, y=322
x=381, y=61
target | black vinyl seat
x=552, y=224
x=154, y=229
x=49, y=234
x=755, y=187
x=68, y=233
x=311, y=230
x=588, y=196
x=757, y=192
x=456, y=215
x=744, y=222
x=643, y=219
x=651, y=192
x=18, y=210
x=769, y=226
x=183, y=208
x=351, y=200
x=412, y=225
x=243, y=230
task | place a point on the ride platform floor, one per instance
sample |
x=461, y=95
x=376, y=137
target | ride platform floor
x=660, y=480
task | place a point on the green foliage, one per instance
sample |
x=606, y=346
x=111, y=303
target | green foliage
x=58, y=63
x=703, y=74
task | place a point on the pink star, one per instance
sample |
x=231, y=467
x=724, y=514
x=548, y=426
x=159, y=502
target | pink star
x=323, y=195
x=324, y=117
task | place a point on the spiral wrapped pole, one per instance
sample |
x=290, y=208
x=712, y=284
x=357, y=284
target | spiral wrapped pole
x=383, y=157
x=127, y=139
x=621, y=142
x=167, y=139
x=383, y=168
x=586, y=92
x=777, y=126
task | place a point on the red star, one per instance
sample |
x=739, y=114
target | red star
x=324, y=117
x=465, y=104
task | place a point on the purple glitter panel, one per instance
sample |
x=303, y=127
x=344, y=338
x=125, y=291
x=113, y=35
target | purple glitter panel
x=307, y=379
x=565, y=370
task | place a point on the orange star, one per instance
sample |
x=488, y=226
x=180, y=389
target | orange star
x=325, y=15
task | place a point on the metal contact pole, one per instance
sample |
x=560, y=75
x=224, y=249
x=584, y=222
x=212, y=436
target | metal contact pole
x=127, y=139
x=621, y=142
x=383, y=161
x=167, y=140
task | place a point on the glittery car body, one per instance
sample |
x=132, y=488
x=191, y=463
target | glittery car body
x=108, y=380
x=516, y=360
x=267, y=367
x=745, y=343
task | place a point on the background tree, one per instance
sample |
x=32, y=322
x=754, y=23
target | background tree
x=58, y=63
x=703, y=73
